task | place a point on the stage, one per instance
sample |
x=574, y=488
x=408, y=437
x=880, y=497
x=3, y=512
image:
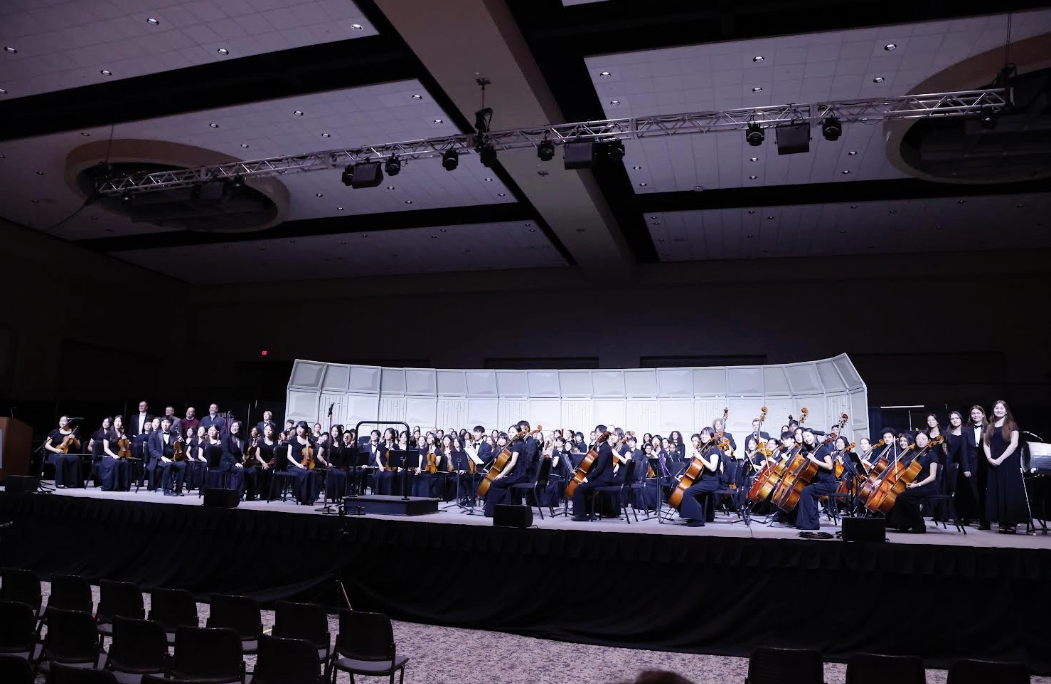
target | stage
x=724, y=588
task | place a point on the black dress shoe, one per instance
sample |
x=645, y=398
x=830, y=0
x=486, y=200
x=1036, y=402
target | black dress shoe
x=694, y=523
x=580, y=518
x=985, y=526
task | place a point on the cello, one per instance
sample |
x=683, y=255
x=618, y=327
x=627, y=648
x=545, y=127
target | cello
x=876, y=470
x=585, y=465
x=767, y=478
x=501, y=461
x=897, y=479
x=693, y=472
x=799, y=472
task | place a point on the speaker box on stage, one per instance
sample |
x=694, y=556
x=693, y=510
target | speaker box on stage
x=864, y=529
x=221, y=498
x=18, y=484
x=513, y=516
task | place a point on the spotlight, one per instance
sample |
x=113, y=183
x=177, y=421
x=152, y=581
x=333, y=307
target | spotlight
x=988, y=119
x=488, y=155
x=393, y=166
x=238, y=182
x=545, y=151
x=366, y=175
x=348, y=175
x=612, y=151
x=482, y=119
x=755, y=135
x=831, y=129
x=450, y=160
x=126, y=197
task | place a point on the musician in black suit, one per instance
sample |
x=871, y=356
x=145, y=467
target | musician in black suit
x=137, y=421
x=600, y=475
x=268, y=419
x=523, y=457
x=973, y=472
x=760, y=436
x=718, y=426
x=232, y=461
x=213, y=418
x=162, y=450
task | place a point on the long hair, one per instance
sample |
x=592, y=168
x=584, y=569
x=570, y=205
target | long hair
x=985, y=419
x=1009, y=425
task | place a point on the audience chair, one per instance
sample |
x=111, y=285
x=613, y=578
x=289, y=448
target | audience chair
x=64, y=674
x=284, y=661
x=785, y=666
x=70, y=592
x=869, y=668
x=22, y=586
x=365, y=646
x=158, y=679
x=15, y=670
x=139, y=647
x=173, y=608
x=118, y=599
x=303, y=621
x=208, y=653
x=240, y=614
x=984, y=671
x=71, y=639
x=18, y=631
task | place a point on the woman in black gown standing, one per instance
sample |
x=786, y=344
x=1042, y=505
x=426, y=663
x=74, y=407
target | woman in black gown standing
x=1005, y=501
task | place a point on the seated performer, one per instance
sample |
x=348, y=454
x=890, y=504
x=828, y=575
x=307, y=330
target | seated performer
x=67, y=464
x=524, y=453
x=823, y=483
x=695, y=498
x=112, y=468
x=162, y=453
x=232, y=462
x=299, y=456
x=600, y=475
x=906, y=515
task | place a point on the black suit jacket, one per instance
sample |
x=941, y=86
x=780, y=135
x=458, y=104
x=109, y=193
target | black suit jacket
x=263, y=423
x=132, y=423
x=158, y=448
x=602, y=470
x=218, y=421
x=972, y=450
x=232, y=452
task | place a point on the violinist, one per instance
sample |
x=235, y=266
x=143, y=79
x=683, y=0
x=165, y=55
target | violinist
x=95, y=446
x=299, y=450
x=696, y=508
x=112, y=468
x=977, y=466
x=864, y=454
x=906, y=515
x=162, y=451
x=600, y=475
x=451, y=466
x=753, y=457
x=822, y=484
x=232, y=462
x=1005, y=497
x=561, y=471
x=338, y=461
x=67, y=463
x=384, y=479
x=425, y=483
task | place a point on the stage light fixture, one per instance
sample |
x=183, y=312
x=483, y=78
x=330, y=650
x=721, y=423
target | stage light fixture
x=831, y=128
x=488, y=155
x=578, y=155
x=237, y=182
x=450, y=160
x=793, y=138
x=126, y=197
x=392, y=166
x=612, y=151
x=348, y=175
x=755, y=135
x=366, y=174
x=545, y=151
x=988, y=119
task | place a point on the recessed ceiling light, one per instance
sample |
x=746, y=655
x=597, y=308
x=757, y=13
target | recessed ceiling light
x=213, y=125
x=501, y=194
x=758, y=58
x=444, y=230
x=637, y=168
x=244, y=145
x=339, y=209
x=357, y=27
x=417, y=96
x=40, y=173
x=614, y=102
x=938, y=227
x=853, y=206
x=845, y=172
x=326, y=135
x=878, y=79
x=408, y=201
x=642, y=185
x=852, y=153
x=152, y=21
x=890, y=46
x=488, y=180
x=757, y=89
x=960, y=201
x=751, y=211
x=390, y=187
x=106, y=72
x=654, y=216
x=35, y=201
x=434, y=237
x=752, y=177
x=3, y=92
x=342, y=242
x=298, y=112
x=528, y=224
x=842, y=232
x=319, y=194
x=292, y=242
x=438, y=121
x=894, y=211
x=94, y=218
x=603, y=74
x=769, y=218
x=532, y=230
x=698, y=188
x=3, y=156
x=753, y=159
x=748, y=235
x=1019, y=205
x=364, y=235
x=85, y=134
x=10, y=49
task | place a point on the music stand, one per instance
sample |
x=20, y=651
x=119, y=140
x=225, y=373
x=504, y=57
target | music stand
x=405, y=459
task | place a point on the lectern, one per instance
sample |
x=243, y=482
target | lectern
x=15, y=439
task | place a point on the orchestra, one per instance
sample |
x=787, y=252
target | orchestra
x=794, y=478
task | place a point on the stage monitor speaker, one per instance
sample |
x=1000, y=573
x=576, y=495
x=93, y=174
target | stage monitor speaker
x=579, y=155
x=512, y=516
x=20, y=484
x=793, y=138
x=864, y=529
x=221, y=498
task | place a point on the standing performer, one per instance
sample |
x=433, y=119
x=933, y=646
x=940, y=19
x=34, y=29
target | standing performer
x=970, y=500
x=59, y=443
x=1005, y=502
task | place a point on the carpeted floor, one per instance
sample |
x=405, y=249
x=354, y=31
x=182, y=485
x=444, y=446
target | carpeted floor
x=445, y=655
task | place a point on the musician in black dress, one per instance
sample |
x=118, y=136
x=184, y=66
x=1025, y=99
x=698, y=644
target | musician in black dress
x=232, y=462
x=695, y=505
x=600, y=475
x=67, y=465
x=421, y=481
x=953, y=450
x=113, y=470
x=301, y=447
x=970, y=492
x=824, y=482
x=95, y=447
x=197, y=463
x=212, y=451
x=265, y=459
x=906, y=515
x=519, y=468
x=1005, y=500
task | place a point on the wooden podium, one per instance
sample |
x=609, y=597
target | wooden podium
x=15, y=447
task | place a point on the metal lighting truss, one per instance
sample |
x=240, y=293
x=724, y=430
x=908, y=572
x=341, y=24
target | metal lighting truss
x=929, y=106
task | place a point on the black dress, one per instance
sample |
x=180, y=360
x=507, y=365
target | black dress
x=1005, y=494
x=906, y=514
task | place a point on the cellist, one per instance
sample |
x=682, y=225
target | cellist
x=600, y=475
x=906, y=515
x=823, y=483
x=695, y=498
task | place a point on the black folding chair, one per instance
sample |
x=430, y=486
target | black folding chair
x=15, y=670
x=365, y=646
x=869, y=668
x=71, y=639
x=208, y=653
x=543, y=472
x=70, y=592
x=287, y=661
x=65, y=674
x=984, y=671
x=240, y=614
x=173, y=608
x=785, y=666
x=946, y=502
x=118, y=599
x=303, y=621
x=616, y=492
x=139, y=647
x=18, y=631
x=22, y=586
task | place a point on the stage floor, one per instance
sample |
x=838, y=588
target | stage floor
x=724, y=525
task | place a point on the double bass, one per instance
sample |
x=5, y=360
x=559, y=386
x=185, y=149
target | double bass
x=501, y=461
x=585, y=465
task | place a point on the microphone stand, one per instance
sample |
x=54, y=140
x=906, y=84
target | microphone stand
x=404, y=480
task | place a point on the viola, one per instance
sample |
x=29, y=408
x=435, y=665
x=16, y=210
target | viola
x=179, y=449
x=249, y=455
x=582, y=470
x=432, y=462
x=502, y=459
x=67, y=442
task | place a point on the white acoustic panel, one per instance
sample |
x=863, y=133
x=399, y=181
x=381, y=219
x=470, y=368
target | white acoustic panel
x=775, y=382
x=578, y=415
x=364, y=379
x=742, y=413
x=848, y=371
x=511, y=411
x=359, y=407
x=708, y=382
x=675, y=382
x=859, y=415
x=420, y=381
x=608, y=383
x=482, y=412
x=481, y=383
x=640, y=383
x=420, y=411
x=392, y=381
x=817, y=416
x=301, y=405
x=640, y=414
x=675, y=414
x=451, y=383
x=392, y=408
x=829, y=376
x=835, y=406
x=610, y=412
x=335, y=401
x=777, y=414
x=803, y=378
x=337, y=377
x=452, y=413
x=744, y=381
x=705, y=411
x=306, y=374
x=512, y=384
x=543, y=383
x=575, y=383
x=546, y=412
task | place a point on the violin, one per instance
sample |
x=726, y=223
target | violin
x=67, y=442
x=249, y=455
x=308, y=457
x=432, y=462
x=582, y=470
x=501, y=461
x=123, y=446
x=179, y=449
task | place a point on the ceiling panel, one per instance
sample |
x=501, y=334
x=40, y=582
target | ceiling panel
x=63, y=45
x=355, y=116
x=799, y=68
x=915, y=226
x=482, y=246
